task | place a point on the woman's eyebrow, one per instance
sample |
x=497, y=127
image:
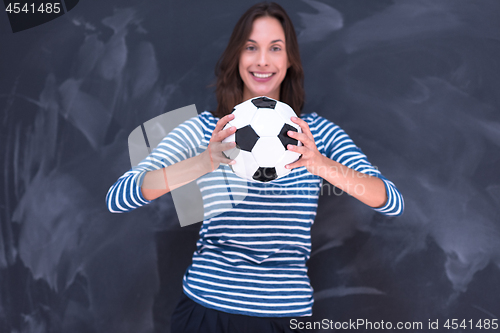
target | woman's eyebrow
x=273, y=41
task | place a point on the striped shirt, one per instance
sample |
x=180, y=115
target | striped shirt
x=254, y=243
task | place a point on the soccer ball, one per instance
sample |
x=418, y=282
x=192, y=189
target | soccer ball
x=261, y=139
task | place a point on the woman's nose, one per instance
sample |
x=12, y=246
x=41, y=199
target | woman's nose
x=262, y=59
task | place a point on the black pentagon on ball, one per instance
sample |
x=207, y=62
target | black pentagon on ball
x=246, y=138
x=265, y=174
x=264, y=103
x=284, y=138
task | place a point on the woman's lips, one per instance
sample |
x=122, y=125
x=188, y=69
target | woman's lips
x=262, y=77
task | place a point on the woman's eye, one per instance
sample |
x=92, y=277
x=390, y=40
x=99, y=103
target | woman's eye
x=276, y=48
x=250, y=47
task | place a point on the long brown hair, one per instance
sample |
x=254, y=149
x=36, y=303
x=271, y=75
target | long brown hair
x=229, y=85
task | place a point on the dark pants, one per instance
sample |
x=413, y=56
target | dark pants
x=191, y=317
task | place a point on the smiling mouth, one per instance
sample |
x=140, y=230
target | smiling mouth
x=262, y=76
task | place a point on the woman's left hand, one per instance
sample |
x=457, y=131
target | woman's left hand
x=311, y=158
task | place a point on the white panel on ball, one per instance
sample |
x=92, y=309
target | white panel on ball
x=245, y=165
x=267, y=122
x=242, y=117
x=268, y=151
x=287, y=158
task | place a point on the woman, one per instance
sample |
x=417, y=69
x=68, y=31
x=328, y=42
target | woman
x=248, y=273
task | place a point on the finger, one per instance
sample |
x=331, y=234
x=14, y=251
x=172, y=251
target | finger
x=294, y=165
x=227, y=145
x=218, y=147
x=224, y=133
x=298, y=149
x=222, y=157
x=302, y=137
x=222, y=122
x=303, y=125
x=228, y=161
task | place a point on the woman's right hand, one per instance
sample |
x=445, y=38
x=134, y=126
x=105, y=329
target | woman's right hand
x=213, y=155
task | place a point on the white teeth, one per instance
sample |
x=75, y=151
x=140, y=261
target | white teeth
x=262, y=76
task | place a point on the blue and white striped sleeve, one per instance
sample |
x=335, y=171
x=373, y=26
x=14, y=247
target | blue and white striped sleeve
x=183, y=142
x=339, y=147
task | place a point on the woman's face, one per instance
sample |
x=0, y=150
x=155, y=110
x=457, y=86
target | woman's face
x=263, y=61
